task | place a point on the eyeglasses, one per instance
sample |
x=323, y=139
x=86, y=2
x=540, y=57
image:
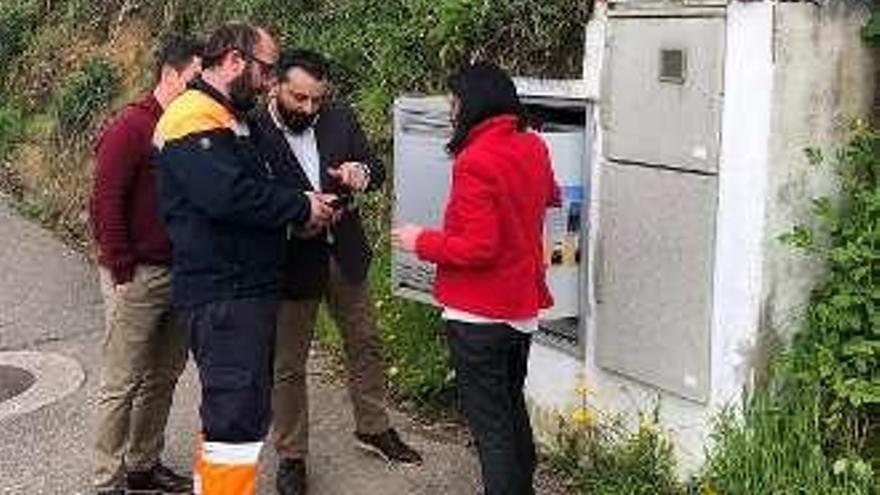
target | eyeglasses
x=266, y=69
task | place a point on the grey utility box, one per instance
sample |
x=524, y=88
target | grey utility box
x=663, y=95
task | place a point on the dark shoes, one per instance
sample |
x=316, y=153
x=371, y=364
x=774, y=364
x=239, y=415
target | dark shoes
x=110, y=491
x=291, y=477
x=389, y=446
x=158, y=480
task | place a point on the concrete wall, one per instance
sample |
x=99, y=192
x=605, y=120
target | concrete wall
x=823, y=81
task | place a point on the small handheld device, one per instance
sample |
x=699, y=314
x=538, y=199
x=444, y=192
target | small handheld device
x=340, y=202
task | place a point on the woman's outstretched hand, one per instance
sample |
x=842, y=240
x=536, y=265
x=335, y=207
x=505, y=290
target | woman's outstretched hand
x=405, y=236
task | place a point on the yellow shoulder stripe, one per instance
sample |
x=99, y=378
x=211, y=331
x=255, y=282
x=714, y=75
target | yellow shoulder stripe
x=191, y=113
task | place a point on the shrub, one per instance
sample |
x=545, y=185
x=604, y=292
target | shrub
x=17, y=19
x=11, y=129
x=85, y=96
x=838, y=348
x=534, y=38
x=89, y=14
x=775, y=446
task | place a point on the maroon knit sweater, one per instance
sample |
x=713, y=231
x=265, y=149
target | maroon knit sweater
x=124, y=207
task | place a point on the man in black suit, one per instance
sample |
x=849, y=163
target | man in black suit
x=317, y=144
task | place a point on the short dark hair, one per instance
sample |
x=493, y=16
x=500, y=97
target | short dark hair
x=233, y=36
x=176, y=52
x=310, y=61
x=484, y=90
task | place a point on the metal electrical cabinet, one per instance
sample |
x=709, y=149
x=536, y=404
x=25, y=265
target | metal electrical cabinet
x=422, y=174
x=663, y=92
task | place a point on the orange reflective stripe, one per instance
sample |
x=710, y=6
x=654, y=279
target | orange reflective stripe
x=226, y=479
x=226, y=468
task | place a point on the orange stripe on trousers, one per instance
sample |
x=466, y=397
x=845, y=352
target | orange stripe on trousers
x=229, y=479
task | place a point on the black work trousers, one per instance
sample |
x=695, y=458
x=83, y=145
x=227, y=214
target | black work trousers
x=232, y=343
x=491, y=362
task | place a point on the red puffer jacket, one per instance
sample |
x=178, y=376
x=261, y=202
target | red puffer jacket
x=489, y=252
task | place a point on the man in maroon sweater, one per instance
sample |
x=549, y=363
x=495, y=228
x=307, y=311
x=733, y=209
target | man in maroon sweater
x=143, y=350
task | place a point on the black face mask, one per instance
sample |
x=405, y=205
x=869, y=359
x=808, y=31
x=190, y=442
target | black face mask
x=242, y=93
x=297, y=122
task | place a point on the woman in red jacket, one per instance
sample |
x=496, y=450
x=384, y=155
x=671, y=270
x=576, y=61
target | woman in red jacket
x=490, y=267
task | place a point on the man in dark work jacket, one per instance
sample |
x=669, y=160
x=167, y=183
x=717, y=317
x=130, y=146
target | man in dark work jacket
x=226, y=216
x=318, y=145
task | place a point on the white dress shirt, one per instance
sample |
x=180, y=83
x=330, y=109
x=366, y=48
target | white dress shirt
x=304, y=147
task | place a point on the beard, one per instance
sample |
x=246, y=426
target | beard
x=296, y=122
x=243, y=93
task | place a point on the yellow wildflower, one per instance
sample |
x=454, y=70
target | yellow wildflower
x=583, y=417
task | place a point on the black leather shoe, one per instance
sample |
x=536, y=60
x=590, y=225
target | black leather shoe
x=291, y=477
x=389, y=446
x=158, y=480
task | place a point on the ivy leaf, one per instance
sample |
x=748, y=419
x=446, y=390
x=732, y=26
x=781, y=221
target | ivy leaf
x=822, y=208
x=800, y=237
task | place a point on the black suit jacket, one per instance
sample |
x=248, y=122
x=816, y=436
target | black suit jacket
x=340, y=139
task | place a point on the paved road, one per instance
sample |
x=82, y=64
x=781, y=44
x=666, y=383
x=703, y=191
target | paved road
x=49, y=302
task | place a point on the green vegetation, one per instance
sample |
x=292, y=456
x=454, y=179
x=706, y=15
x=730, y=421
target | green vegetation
x=85, y=96
x=17, y=19
x=839, y=347
x=871, y=31
x=601, y=455
x=10, y=130
x=776, y=447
